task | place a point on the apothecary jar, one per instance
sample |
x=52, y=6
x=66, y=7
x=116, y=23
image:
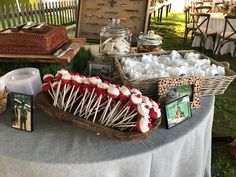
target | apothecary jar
x=115, y=39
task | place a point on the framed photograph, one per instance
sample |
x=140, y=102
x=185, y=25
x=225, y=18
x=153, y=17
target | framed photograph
x=102, y=69
x=172, y=88
x=178, y=111
x=22, y=111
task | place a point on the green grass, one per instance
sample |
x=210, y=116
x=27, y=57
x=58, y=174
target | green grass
x=172, y=31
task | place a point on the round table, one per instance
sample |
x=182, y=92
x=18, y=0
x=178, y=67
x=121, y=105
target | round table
x=217, y=23
x=57, y=149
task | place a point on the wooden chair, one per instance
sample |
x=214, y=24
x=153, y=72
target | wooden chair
x=201, y=23
x=228, y=35
x=219, y=7
x=188, y=24
x=203, y=9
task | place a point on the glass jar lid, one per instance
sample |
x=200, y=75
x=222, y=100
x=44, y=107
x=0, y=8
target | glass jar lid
x=150, y=38
x=114, y=29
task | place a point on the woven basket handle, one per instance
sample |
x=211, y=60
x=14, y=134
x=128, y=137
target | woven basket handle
x=225, y=64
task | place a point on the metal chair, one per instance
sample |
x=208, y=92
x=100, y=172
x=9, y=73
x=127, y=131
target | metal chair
x=201, y=23
x=228, y=35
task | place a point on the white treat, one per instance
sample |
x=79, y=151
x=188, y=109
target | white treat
x=86, y=81
x=136, y=98
x=102, y=85
x=211, y=72
x=47, y=75
x=109, y=47
x=155, y=112
x=106, y=41
x=143, y=125
x=154, y=104
x=63, y=71
x=94, y=80
x=134, y=90
x=147, y=101
x=200, y=73
x=221, y=70
x=77, y=78
x=143, y=109
x=125, y=91
x=66, y=76
x=113, y=90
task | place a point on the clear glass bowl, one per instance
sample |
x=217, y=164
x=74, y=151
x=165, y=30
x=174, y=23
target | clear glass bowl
x=115, y=39
x=149, y=42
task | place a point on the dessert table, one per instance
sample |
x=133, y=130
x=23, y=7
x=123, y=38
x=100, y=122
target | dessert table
x=217, y=23
x=57, y=149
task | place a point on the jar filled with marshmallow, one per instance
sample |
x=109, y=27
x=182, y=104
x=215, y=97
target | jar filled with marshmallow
x=149, y=42
x=115, y=39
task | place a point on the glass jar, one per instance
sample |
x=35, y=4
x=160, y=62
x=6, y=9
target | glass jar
x=149, y=42
x=115, y=39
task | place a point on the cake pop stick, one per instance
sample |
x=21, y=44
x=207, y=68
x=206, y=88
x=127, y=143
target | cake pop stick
x=94, y=82
x=58, y=78
x=134, y=100
x=113, y=93
x=77, y=81
x=83, y=91
x=124, y=95
x=46, y=88
x=87, y=87
x=102, y=88
x=66, y=79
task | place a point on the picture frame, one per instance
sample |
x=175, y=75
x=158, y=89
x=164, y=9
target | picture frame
x=22, y=111
x=177, y=111
x=100, y=68
x=178, y=84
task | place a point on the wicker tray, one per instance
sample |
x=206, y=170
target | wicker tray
x=210, y=85
x=43, y=102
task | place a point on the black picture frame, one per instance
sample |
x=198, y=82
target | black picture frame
x=22, y=111
x=177, y=111
x=99, y=68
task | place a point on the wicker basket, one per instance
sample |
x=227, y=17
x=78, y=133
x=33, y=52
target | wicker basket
x=43, y=102
x=210, y=85
x=3, y=101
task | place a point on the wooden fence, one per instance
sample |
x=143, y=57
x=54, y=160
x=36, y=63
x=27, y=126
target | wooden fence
x=56, y=13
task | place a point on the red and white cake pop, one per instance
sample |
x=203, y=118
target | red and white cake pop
x=93, y=85
x=135, y=91
x=124, y=93
x=143, y=125
x=60, y=74
x=113, y=93
x=147, y=101
x=136, y=99
x=102, y=88
x=48, y=78
x=143, y=109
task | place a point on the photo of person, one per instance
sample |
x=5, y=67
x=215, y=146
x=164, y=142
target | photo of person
x=22, y=112
x=177, y=111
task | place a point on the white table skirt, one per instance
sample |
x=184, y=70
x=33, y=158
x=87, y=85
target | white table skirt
x=57, y=149
x=217, y=23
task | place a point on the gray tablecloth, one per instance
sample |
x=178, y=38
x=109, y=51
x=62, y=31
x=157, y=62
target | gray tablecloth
x=57, y=149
